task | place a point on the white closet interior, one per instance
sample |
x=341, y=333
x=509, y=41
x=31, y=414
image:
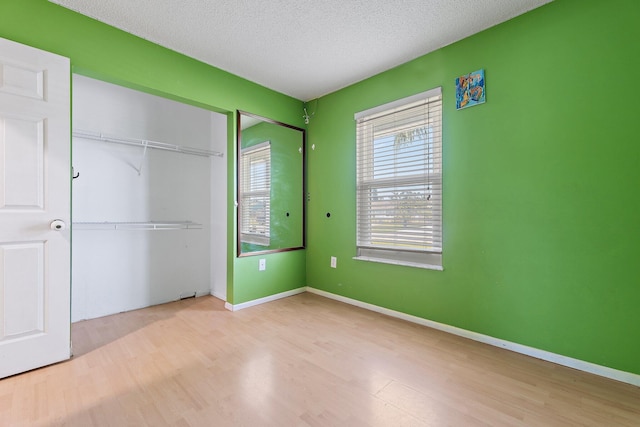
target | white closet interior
x=149, y=200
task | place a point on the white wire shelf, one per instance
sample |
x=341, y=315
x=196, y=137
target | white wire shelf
x=152, y=225
x=145, y=143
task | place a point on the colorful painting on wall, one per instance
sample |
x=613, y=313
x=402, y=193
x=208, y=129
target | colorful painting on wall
x=470, y=90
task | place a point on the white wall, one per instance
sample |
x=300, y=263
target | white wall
x=218, y=209
x=119, y=270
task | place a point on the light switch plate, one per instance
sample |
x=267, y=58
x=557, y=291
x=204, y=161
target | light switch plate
x=262, y=264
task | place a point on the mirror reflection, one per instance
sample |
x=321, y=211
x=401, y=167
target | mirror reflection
x=270, y=185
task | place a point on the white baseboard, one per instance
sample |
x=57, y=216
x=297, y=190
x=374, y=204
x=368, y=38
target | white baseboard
x=603, y=371
x=258, y=301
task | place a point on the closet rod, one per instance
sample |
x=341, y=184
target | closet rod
x=97, y=136
x=152, y=225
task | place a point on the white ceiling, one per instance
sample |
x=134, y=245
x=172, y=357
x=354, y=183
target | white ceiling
x=303, y=48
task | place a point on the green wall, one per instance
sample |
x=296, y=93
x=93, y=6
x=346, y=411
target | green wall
x=103, y=52
x=541, y=199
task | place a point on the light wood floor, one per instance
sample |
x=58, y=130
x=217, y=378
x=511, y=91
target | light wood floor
x=300, y=361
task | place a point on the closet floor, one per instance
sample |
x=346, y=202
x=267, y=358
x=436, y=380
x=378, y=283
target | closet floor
x=300, y=361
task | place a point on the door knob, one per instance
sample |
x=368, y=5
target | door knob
x=58, y=225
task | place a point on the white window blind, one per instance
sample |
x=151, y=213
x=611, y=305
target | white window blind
x=255, y=211
x=399, y=181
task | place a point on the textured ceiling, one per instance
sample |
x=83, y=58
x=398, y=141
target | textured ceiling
x=303, y=48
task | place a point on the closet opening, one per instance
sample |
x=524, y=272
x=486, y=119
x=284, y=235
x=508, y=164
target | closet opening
x=149, y=200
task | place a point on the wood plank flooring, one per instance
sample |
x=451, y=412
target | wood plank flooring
x=301, y=361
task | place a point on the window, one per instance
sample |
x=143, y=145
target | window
x=399, y=181
x=256, y=194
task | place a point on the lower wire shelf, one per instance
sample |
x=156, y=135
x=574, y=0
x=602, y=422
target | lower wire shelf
x=151, y=225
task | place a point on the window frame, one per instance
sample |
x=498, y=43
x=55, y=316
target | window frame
x=250, y=194
x=424, y=179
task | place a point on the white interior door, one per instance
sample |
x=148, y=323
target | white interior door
x=35, y=191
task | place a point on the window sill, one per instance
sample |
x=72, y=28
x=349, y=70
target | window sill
x=396, y=262
x=255, y=239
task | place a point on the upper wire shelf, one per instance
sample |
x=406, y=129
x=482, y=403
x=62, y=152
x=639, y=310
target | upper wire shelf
x=145, y=143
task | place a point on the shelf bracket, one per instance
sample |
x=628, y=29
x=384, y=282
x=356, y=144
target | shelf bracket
x=144, y=155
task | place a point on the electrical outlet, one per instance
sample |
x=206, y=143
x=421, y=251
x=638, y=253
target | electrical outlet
x=334, y=262
x=262, y=265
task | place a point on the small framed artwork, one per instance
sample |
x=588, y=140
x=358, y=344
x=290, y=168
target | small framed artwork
x=470, y=90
